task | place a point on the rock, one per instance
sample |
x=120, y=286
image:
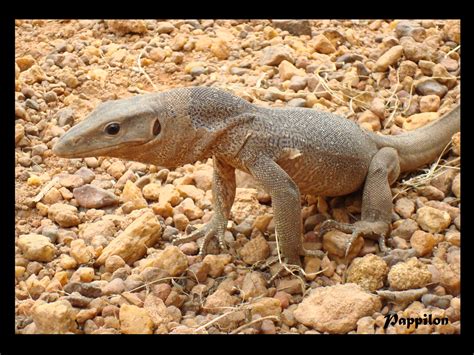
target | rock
x=169, y=194
x=132, y=197
x=452, y=30
x=253, y=285
x=291, y=286
x=456, y=186
x=172, y=260
x=64, y=215
x=132, y=243
x=297, y=102
x=189, y=209
x=404, y=207
x=369, y=120
x=442, y=302
x=151, y=191
x=448, y=276
x=54, y=318
x=165, y=27
x=442, y=76
x=265, y=306
x=32, y=104
x=415, y=51
x=70, y=180
x=87, y=175
x=255, y=250
x=36, y=247
x=349, y=58
x=419, y=120
x=407, y=68
x=80, y=252
x=288, y=70
x=105, y=228
x=122, y=27
x=336, y=309
x=456, y=140
x=389, y=58
x=433, y=220
x=217, y=263
x=25, y=62
x=297, y=83
x=295, y=27
x=335, y=242
x=220, y=49
x=78, y=300
x=449, y=63
x=190, y=191
x=33, y=75
x=65, y=116
x=430, y=86
x=274, y=55
x=369, y=272
x=114, y=287
x=19, y=133
x=203, y=177
x=323, y=45
x=429, y=103
x=219, y=301
x=431, y=192
x=135, y=320
x=422, y=242
x=366, y=325
x=407, y=275
x=87, y=289
x=90, y=196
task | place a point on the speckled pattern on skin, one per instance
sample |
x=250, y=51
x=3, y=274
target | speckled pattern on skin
x=287, y=150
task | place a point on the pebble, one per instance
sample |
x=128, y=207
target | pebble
x=288, y=70
x=218, y=301
x=323, y=45
x=370, y=272
x=87, y=289
x=54, y=318
x=336, y=309
x=132, y=243
x=172, y=260
x=297, y=102
x=442, y=302
x=389, y=58
x=217, y=263
x=80, y=252
x=456, y=186
x=253, y=285
x=63, y=214
x=419, y=120
x=430, y=87
x=295, y=27
x=433, y=220
x=274, y=55
x=255, y=250
x=65, y=117
x=89, y=196
x=297, y=83
x=135, y=320
x=422, y=242
x=165, y=27
x=410, y=274
x=36, y=247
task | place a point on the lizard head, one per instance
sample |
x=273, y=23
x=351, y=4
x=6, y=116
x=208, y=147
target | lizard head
x=116, y=128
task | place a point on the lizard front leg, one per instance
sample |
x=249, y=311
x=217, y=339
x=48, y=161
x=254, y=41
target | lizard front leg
x=223, y=194
x=286, y=207
x=376, y=214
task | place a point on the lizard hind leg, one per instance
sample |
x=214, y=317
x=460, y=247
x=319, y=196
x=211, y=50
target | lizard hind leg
x=376, y=214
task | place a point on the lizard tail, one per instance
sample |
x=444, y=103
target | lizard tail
x=425, y=144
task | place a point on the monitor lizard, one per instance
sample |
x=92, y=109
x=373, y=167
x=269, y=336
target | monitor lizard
x=287, y=150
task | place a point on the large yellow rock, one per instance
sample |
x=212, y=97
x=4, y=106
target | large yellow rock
x=132, y=244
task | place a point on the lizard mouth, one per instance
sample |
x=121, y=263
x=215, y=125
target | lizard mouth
x=67, y=149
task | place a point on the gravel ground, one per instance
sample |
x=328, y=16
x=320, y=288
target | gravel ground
x=93, y=236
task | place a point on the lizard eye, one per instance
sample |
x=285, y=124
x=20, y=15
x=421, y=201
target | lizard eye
x=112, y=129
x=156, y=128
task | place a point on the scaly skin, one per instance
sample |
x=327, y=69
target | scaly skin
x=288, y=150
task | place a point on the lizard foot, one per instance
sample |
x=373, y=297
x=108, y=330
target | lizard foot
x=208, y=231
x=372, y=230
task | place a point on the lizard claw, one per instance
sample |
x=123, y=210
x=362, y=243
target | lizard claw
x=372, y=230
x=208, y=231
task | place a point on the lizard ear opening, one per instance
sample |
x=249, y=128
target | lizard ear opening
x=156, y=128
